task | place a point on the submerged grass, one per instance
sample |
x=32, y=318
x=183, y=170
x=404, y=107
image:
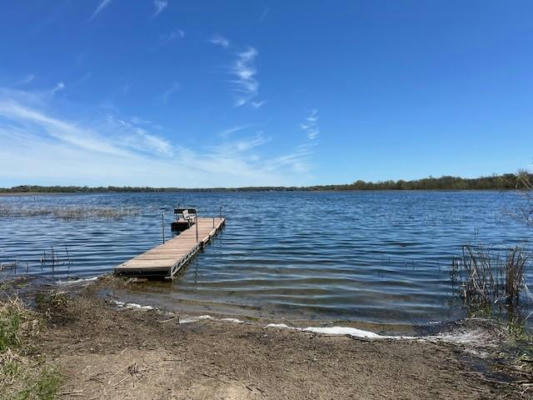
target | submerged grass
x=22, y=376
x=69, y=213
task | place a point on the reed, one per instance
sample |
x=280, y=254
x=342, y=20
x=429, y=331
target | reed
x=525, y=184
x=70, y=213
x=488, y=281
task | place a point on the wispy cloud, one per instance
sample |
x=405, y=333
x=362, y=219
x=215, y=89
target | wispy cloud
x=126, y=151
x=134, y=135
x=264, y=14
x=228, y=132
x=243, y=70
x=245, y=84
x=103, y=4
x=310, y=125
x=63, y=131
x=159, y=6
x=219, y=40
x=258, y=104
x=87, y=76
x=241, y=145
x=60, y=86
x=27, y=79
x=170, y=37
x=170, y=91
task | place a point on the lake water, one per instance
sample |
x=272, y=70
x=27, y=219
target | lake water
x=380, y=257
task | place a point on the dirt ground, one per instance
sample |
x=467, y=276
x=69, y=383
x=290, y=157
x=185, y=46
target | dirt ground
x=109, y=353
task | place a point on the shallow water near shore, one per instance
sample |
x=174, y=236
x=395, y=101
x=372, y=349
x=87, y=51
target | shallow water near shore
x=376, y=257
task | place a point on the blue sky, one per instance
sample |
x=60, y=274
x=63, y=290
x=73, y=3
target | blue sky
x=235, y=93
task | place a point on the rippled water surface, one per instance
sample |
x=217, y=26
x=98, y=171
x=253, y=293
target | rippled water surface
x=366, y=256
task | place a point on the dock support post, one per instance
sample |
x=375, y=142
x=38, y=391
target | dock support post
x=196, y=223
x=163, y=225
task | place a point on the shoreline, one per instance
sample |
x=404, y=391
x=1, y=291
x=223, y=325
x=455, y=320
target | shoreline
x=231, y=191
x=128, y=291
x=107, y=350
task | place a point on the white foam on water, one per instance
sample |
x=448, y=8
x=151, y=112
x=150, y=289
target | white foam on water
x=234, y=320
x=121, y=304
x=204, y=317
x=138, y=306
x=343, y=330
x=472, y=337
x=477, y=336
x=196, y=319
x=280, y=326
x=187, y=320
x=74, y=281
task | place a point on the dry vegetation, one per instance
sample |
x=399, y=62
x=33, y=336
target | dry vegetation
x=23, y=374
x=485, y=279
x=69, y=212
x=491, y=284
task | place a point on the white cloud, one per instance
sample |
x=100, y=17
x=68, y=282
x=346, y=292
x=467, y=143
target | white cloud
x=228, y=132
x=103, y=4
x=258, y=104
x=60, y=86
x=170, y=91
x=170, y=37
x=310, y=125
x=241, y=145
x=133, y=135
x=64, y=132
x=27, y=79
x=264, y=14
x=159, y=6
x=245, y=84
x=219, y=41
x=125, y=151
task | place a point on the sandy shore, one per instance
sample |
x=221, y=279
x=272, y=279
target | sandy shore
x=105, y=351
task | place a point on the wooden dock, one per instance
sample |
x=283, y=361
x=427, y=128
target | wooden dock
x=167, y=259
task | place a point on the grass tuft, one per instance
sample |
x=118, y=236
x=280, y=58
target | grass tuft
x=11, y=316
x=488, y=282
x=22, y=377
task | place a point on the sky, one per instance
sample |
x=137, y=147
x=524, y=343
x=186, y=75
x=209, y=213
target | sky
x=252, y=93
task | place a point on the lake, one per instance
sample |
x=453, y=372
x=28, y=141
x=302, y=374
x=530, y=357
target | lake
x=374, y=256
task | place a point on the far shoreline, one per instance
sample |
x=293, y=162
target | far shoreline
x=229, y=191
x=504, y=182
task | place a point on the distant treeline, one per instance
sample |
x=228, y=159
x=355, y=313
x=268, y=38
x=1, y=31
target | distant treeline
x=495, y=182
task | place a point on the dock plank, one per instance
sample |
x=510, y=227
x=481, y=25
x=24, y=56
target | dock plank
x=168, y=258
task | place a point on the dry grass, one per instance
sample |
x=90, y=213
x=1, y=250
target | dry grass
x=22, y=376
x=489, y=282
x=69, y=213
